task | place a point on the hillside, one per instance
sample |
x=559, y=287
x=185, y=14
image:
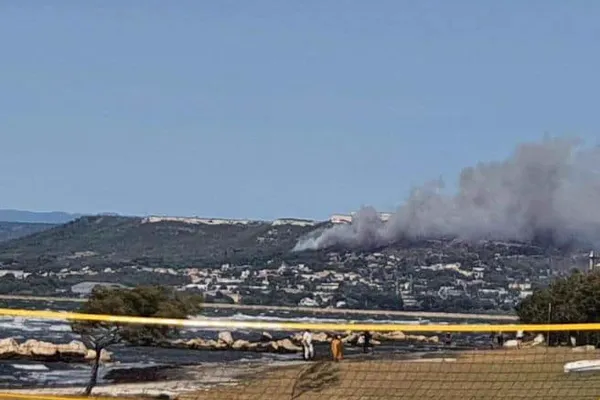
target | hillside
x=102, y=240
x=52, y=217
x=189, y=253
x=99, y=241
x=15, y=230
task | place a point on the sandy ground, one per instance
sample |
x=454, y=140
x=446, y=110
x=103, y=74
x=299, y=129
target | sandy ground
x=505, y=374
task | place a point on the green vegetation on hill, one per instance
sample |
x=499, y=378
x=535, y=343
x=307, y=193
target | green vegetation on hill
x=253, y=263
x=15, y=230
x=111, y=240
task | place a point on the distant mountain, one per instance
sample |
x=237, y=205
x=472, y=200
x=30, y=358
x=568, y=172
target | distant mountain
x=15, y=230
x=53, y=217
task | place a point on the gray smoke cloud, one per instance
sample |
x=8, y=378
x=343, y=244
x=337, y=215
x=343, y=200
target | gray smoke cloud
x=547, y=191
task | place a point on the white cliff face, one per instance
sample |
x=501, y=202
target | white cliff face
x=225, y=221
x=292, y=221
x=196, y=221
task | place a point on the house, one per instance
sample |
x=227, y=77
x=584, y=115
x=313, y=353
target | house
x=308, y=302
x=84, y=289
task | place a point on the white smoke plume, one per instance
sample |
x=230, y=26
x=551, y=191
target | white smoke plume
x=547, y=191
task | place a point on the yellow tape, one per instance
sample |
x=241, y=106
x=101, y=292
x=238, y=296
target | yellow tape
x=295, y=326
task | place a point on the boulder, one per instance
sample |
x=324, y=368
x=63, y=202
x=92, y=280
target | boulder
x=178, y=343
x=281, y=346
x=583, y=349
x=433, y=339
x=225, y=337
x=539, y=339
x=105, y=356
x=38, y=349
x=287, y=346
x=72, y=350
x=240, y=344
x=253, y=346
x=320, y=337
x=196, y=343
x=353, y=338
x=9, y=348
x=396, y=335
x=218, y=345
x=296, y=337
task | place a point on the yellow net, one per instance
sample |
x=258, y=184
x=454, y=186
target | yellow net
x=233, y=359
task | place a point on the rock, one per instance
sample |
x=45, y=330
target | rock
x=178, y=343
x=240, y=344
x=320, y=337
x=225, y=337
x=253, y=346
x=433, y=339
x=296, y=337
x=353, y=338
x=38, y=349
x=9, y=348
x=282, y=346
x=196, y=343
x=539, y=339
x=105, y=356
x=288, y=346
x=397, y=335
x=74, y=349
x=583, y=349
x=211, y=344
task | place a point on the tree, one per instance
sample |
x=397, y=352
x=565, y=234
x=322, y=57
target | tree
x=573, y=299
x=142, y=301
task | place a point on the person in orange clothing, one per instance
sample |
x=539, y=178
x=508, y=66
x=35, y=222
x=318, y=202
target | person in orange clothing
x=337, y=348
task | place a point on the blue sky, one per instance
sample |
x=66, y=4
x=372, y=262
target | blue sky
x=264, y=109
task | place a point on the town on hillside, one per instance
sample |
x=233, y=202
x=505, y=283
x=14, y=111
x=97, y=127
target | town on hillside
x=451, y=277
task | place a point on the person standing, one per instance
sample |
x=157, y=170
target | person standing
x=500, y=339
x=366, y=341
x=519, y=339
x=337, y=348
x=307, y=346
x=448, y=339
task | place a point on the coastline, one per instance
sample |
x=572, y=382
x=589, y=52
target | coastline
x=313, y=310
